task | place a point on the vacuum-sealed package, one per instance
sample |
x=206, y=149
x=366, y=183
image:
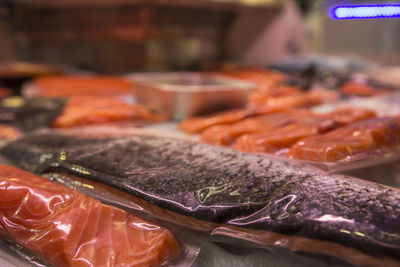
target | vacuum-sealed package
x=334, y=140
x=251, y=198
x=102, y=110
x=195, y=235
x=20, y=115
x=55, y=86
x=67, y=228
x=364, y=140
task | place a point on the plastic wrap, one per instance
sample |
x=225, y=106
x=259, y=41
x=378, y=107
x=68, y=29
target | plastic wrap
x=254, y=199
x=274, y=123
x=228, y=134
x=14, y=255
x=337, y=140
x=198, y=124
x=89, y=110
x=67, y=86
x=283, y=137
x=67, y=228
x=355, y=140
x=225, y=241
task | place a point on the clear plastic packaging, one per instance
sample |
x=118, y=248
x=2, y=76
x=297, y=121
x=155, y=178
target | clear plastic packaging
x=334, y=140
x=244, y=198
x=13, y=255
x=90, y=110
x=361, y=140
x=77, y=85
x=20, y=115
x=195, y=234
x=67, y=228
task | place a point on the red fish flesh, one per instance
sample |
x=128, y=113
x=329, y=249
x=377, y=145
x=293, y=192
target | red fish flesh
x=67, y=228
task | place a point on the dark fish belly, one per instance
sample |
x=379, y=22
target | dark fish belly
x=225, y=186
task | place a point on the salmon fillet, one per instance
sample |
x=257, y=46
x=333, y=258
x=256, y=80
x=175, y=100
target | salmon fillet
x=271, y=90
x=346, y=116
x=385, y=130
x=283, y=137
x=67, y=228
x=362, y=137
x=86, y=110
x=7, y=132
x=265, y=79
x=62, y=86
x=360, y=89
x=275, y=91
x=227, y=134
x=287, y=102
x=198, y=124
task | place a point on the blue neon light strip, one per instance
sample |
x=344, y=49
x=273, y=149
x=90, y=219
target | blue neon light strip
x=365, y=12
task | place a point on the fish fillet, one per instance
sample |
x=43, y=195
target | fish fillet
x=198, y=124
x=346, y=116
x=283, y=137
x=64, y=86
x=335, y=215
x=274, y=91
x=361, y=89
x=267, y=106
x=362, y=137
x=227, y=134
x=265, y=79
x=87, y=110
x=67, y=228
x=286, y=101
x=7, y=132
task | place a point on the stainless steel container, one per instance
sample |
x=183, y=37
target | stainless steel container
x=186, y=94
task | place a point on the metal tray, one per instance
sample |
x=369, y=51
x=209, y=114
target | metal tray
x=186, y=94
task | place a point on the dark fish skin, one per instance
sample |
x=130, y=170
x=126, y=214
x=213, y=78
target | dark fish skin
x=226, y=186
x=28, y=114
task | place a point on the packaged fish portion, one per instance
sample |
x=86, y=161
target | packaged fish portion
x=284, y=137
x=227, y=134
x=7, y=132
x=67, y=228
x=273, y=90
x=362, y=88
x=198, y=124
x=266, y=79
x=66, y=86
x=349, y=115
x=286, y=102
x=355, y=140
x=89, y=110
x=283, y=205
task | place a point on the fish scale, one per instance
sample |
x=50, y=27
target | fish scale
x=268, y=194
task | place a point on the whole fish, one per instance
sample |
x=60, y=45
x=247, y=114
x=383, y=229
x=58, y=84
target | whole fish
x=297, y=207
